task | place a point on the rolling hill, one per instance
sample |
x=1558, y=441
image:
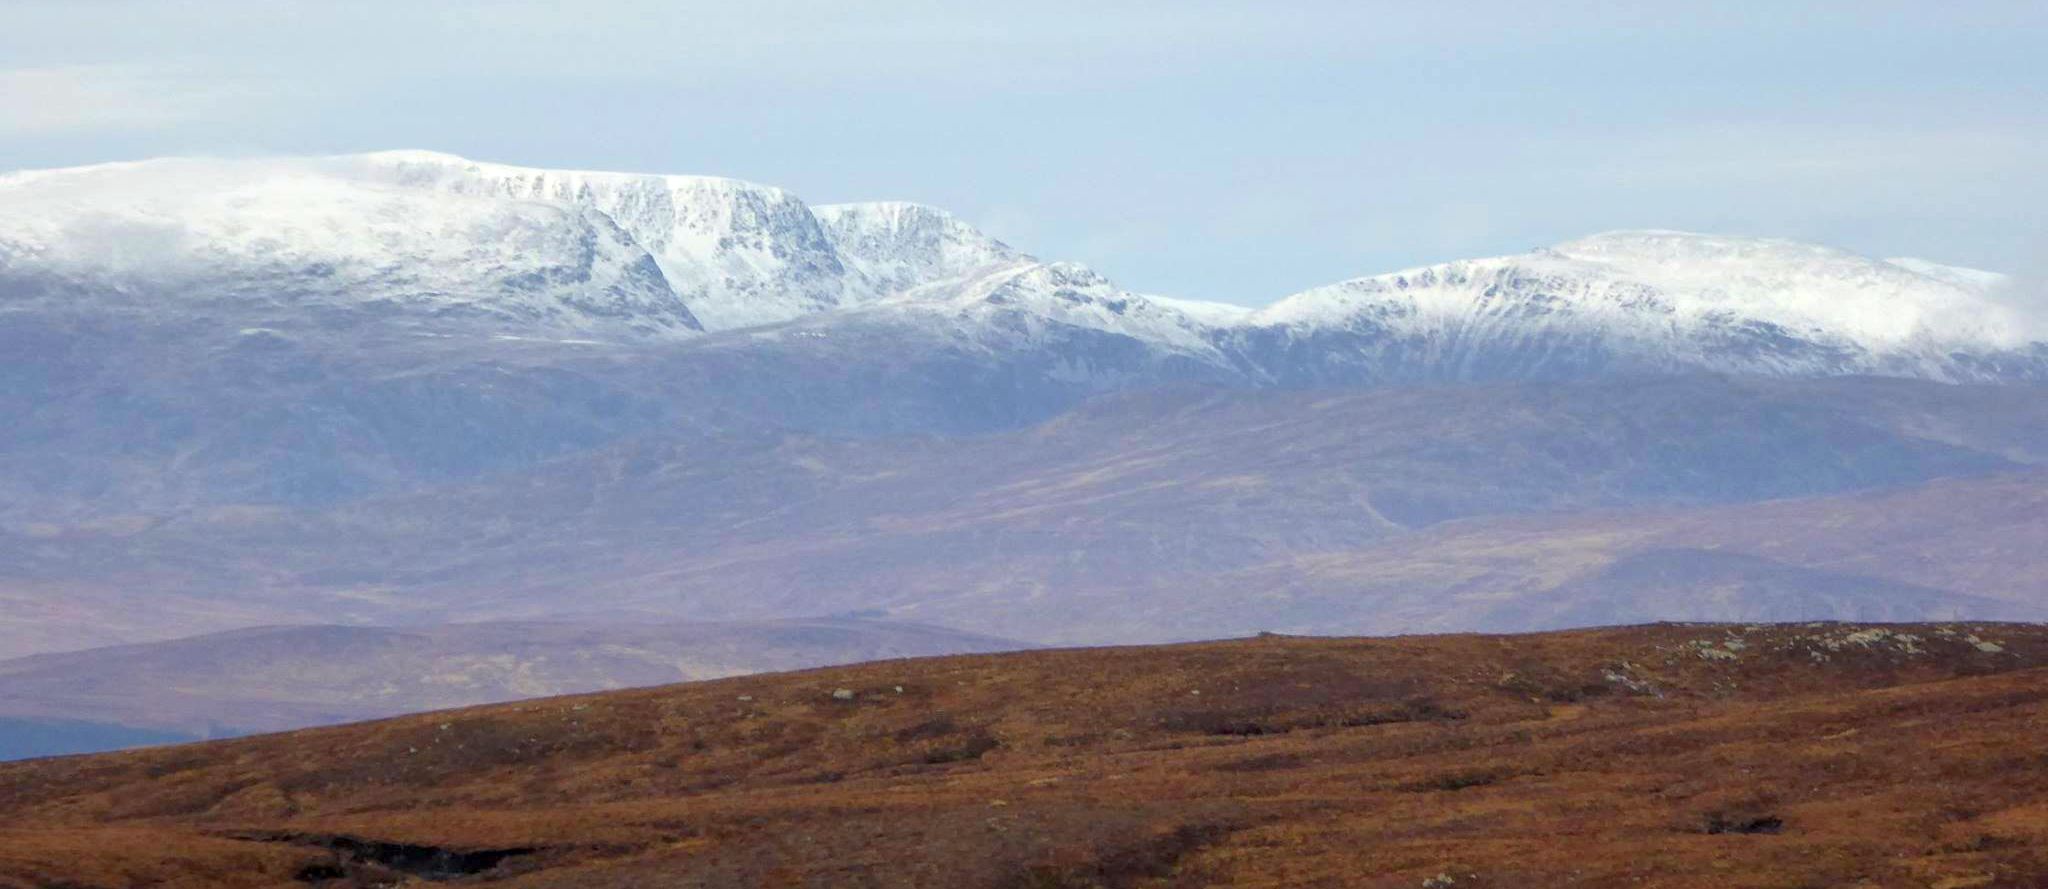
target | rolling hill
x=1671, y=755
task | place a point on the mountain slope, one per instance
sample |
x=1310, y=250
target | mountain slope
x=894, y=247
x=1927, y=552
x=1141, y=517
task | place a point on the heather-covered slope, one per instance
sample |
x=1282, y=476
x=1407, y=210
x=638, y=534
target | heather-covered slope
x=1678, y=756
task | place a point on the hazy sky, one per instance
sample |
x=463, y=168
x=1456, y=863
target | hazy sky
x=1233, y=151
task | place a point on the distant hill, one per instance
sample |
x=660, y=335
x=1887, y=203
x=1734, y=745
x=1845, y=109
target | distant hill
x=31, y=738
x=272, y=678
x=1156, y=516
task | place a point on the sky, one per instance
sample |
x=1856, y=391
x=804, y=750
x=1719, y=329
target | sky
x=1227, y=151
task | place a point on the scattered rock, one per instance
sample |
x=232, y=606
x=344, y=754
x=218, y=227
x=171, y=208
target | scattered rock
x=1875, y=637
x=1621, y=675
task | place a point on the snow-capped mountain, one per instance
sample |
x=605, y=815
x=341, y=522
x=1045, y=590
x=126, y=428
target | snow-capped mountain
x=429, y=235
x=1656, y=301
x=438, y=240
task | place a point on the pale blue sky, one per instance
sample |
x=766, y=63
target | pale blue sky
x=1232, y=151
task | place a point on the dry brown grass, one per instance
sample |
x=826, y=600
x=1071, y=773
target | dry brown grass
x=1689, y=756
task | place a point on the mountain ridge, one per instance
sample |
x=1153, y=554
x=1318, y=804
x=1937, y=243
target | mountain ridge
x=736, y=255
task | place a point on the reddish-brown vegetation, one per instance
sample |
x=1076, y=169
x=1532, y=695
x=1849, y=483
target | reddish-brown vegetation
x=1673, y=755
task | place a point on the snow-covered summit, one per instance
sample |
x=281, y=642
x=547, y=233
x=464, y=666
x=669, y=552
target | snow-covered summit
x=292, y=234
x=1677, y=299
x=1803, y=287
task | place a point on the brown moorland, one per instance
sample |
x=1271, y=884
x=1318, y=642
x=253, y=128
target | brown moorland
x=1668, y=755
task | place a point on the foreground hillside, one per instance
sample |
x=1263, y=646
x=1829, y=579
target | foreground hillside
x=1670, y=755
